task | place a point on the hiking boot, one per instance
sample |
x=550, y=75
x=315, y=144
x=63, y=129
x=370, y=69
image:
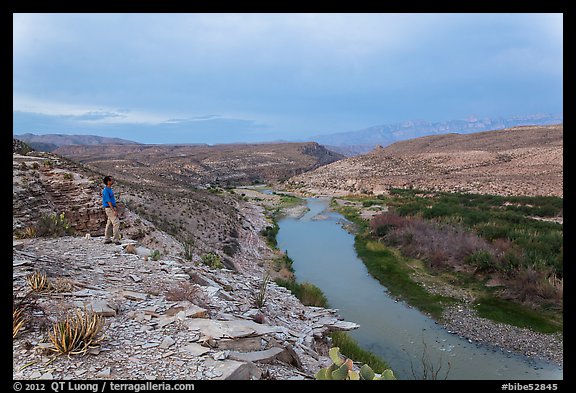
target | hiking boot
x=117, y=243
x=108, y=241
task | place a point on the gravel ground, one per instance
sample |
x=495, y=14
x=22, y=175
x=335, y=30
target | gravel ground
x=465, y=322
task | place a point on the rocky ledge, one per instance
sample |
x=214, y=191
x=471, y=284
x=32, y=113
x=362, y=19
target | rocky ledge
x=164, y=319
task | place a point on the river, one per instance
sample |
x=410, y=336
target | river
x=324, y=254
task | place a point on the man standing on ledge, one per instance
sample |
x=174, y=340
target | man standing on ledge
x=109, y=204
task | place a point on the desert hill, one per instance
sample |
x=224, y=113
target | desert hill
x=524, y=160
x=199, y=165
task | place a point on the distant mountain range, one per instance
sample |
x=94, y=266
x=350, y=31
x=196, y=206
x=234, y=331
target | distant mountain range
x=50, y=142
x=353, y=143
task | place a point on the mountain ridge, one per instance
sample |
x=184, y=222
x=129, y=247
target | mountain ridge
x=514, y=161
x=50, y=142
x=352, y=143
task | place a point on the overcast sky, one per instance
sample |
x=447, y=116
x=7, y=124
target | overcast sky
x=213, y=78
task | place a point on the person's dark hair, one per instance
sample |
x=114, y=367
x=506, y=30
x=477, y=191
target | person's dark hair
x=106, y=179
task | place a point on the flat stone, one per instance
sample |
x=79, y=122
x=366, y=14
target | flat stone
x=131, y=295
x=194, y=349
x=221, y=355
x=246, y=344
x=167, y=342
x=259, y=329
x=46, y=376
x=345, y=325
x=211, y=291
x=103, y=308
x=230, y=329
x=143, y=251
x=35, y=375
x=19, y=262
x=163, y=321
x=150, y=345
x=233, y=370
x=265, y=356
x=104, y=373
x=83, y=293
x=135, y=278
x=207, y=327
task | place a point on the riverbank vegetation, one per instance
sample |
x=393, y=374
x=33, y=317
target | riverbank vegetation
x=507, y=251
x=350, y=348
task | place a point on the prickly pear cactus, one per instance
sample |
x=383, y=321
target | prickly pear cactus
x=341, y=369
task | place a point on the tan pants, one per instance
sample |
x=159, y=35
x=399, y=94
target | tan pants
x=113, y=223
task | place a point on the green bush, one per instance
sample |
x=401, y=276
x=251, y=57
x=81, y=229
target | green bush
x=307, y=293
x=212, y=260
x=53, y=225
x=483, y=261
x=270, y=233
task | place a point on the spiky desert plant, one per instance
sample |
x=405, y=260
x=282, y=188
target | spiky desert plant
x=260, y=297
x=77, y=333
x=26, y=233
x=38, y=281
x=19, y=319
x=188, y=253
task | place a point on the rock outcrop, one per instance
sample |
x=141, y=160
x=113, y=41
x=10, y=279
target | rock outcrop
x=162, y=324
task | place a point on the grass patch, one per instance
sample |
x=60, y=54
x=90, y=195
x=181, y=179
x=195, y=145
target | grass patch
x=352, y=214
x=392, y=271
x=308, y=294
x=505, y=311
x=287, y=201
x=350, y=348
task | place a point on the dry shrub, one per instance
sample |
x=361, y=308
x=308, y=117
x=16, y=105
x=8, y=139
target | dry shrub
x=189, y=292
x=62, y=284
x=558, y=285
x=26, y=233
x=440, y=245
x=383, y=223
x=130, y=249
x=533, y=286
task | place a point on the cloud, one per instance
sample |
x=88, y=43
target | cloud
x=293, y=73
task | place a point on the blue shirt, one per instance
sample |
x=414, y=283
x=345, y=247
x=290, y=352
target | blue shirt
x=108, y=196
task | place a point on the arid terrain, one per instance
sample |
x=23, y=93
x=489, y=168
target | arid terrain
x=515, y=161
x=223, y=165
x=167, y=314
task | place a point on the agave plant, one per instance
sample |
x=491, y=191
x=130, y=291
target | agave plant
x=18, y=320
x=341, y=369
x=38, y=281
x=77, y=333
